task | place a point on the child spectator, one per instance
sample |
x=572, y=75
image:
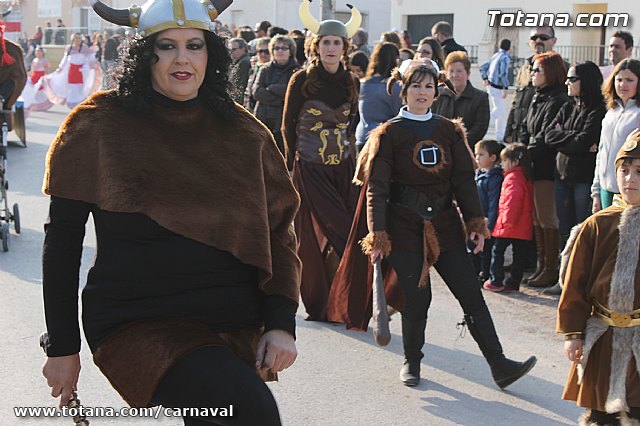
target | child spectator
x=515, y=218
x=488, y=181
x=599, y=308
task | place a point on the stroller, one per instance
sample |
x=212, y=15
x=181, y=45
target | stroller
x=6, y=216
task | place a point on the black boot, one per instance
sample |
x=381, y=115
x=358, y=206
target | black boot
x=503, y=370
x=412, y=341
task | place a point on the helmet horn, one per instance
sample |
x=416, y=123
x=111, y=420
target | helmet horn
x=7, y=12
x=307, y=18
x=221, y=5
x=355, y=21
x=115, y=16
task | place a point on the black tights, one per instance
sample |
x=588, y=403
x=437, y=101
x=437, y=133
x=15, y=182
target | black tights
x=212, y=377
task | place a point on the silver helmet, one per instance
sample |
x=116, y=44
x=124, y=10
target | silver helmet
x=159, y=15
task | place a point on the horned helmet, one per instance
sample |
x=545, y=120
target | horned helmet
x=159, y=15
x=329, y=26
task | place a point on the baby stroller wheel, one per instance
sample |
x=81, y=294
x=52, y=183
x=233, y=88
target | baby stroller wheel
x=5, y=236
x=16, y=218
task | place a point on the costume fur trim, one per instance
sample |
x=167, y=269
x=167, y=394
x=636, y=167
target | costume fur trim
x=478, y=225
x=625, y=420
x=368, y=153
x=462, y=131
x=431, y=252
x=376, y=240
x=566, y=252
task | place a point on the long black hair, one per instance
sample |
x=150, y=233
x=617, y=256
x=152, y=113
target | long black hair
x=134, y=75
x=590, y=84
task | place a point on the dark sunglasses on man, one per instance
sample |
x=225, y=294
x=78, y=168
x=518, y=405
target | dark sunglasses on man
x=543, y=37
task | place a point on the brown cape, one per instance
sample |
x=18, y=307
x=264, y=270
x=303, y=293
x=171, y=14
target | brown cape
x=221, y=183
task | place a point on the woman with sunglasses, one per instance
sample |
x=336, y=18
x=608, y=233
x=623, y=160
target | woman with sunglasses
x=574, y=134
x=429, y=48
x=547, y=76
x=271, y=84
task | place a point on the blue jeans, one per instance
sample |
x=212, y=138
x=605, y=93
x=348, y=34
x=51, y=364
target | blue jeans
x=517, y=266
x=573, y=206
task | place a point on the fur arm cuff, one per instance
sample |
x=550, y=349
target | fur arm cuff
x=376, y=240
x=478, y=225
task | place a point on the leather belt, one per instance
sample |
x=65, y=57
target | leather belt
x=418, y=202
x=498, y=86
x=615, y=319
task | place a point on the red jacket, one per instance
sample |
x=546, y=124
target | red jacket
x=515, y=211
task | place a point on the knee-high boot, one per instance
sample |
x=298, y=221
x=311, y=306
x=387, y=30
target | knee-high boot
x=503, y=370
x=412, y=341
x=549, y=276
x=539, y=237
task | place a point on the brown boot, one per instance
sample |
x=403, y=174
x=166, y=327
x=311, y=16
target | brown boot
x=549, y=276
x=539, y=236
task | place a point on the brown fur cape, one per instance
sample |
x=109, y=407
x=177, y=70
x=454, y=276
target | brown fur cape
x=221, y=183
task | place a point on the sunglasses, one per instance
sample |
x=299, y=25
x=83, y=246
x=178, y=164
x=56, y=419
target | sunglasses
x=573, y=79
x=233, y=49
x=543, y=37
x=276, y=48
x=263, y=51
x=536, y=70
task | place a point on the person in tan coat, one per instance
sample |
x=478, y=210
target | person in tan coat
x=599, y=310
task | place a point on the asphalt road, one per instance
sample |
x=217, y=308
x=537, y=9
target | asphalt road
x=340, y=377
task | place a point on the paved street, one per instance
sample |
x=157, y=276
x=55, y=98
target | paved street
x=340, y=377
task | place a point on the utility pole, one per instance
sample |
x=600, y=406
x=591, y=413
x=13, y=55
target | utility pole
x=327, y=11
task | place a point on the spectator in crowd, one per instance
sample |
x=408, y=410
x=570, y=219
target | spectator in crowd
x=620, y=48
x=271, y=84
x=320, y=107
x=360, y=41
x=37, y=37
x=599, y=305
x=413, y=167
x=109, y=58
x=575, y=134
x=495, y=74
x=391, y=37
x=97, y=44
x=246, y=33
x=468, y=103
x=406, y=53
x=488, y=182
x=274, y=31
x=429, y=48
x=406, y=40
x=515, y=218
x=358, y=64
x=60, y=36
x=622, y=95
x=48, y=32
x=262, y=57
x=443, y=32
x=240, y=69
x=262, y=29
x=298, y=38
x=375, y=106
x=548, y=76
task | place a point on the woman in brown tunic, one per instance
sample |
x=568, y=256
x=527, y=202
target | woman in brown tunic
x=599, y=311
x=318, y=125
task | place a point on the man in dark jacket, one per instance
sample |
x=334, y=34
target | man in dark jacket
x=443, y=32
x=240, y=68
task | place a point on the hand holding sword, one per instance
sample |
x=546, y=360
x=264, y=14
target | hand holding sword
x=381, y=332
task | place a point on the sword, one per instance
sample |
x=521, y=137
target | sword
x=381, y=332
x=74, y=403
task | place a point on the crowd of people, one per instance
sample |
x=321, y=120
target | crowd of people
x=386, y=149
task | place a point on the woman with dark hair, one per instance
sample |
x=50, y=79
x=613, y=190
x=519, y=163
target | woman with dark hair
x=429, y=48
x=271, y=85
x=320, y=107
x=574, y=134
x=78, y=75
x=358, y=64
x=187, y=310
x=375, y=106
x=622, y=95
x=412, y=169
x=391, y=37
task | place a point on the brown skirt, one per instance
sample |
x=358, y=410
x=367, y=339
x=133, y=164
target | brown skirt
x=137, y=356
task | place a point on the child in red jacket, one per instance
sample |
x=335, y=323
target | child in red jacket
x=515, y=218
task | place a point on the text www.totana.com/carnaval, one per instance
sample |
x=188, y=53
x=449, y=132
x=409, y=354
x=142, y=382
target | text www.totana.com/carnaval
x=154, y=412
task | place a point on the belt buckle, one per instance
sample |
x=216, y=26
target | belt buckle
x=621, y=320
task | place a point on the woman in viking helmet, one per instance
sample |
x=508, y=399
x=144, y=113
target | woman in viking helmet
x=186, y=304
x=318, y=124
